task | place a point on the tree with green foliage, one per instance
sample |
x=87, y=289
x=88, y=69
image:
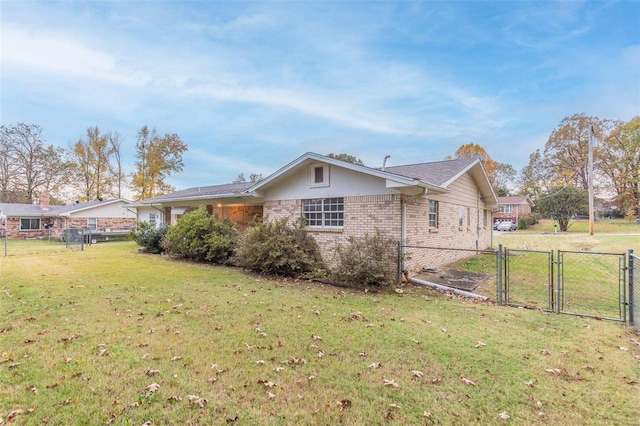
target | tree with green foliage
x=199, y=236
x=346, y=157
x=563, y=203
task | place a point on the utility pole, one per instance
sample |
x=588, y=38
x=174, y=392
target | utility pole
x=591, y=135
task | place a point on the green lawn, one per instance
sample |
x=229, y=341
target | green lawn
x=111, y=336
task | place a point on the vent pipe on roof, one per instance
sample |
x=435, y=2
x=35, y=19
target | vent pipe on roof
x=384, y=162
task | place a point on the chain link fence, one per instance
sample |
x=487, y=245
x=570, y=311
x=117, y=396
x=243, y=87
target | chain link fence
x=634, y=291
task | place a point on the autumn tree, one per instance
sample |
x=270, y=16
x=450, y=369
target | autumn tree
x=500, y=174
x=620, y=162
x=566, y=150
x=561, y=203
x=346, y=157
x=92, y=165
x=29, y=165
x=534, y=178
x=157, y=159
x=115, y=166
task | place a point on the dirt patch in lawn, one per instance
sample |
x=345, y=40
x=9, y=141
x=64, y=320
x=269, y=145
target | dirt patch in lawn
x=463, y=280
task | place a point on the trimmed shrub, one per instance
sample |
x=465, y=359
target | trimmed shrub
x=200, y=236
x=275, y=247
x=522, y=224
x=149, y=237
x=368, y=261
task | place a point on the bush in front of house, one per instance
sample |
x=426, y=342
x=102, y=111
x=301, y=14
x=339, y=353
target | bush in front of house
x=369, y=261
x=276, y=247
x=522, y=224
x=200, y=236
x=149, y=237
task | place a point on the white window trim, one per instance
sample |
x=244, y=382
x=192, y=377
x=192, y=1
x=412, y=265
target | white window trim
x=437, y=214
x=323, y=212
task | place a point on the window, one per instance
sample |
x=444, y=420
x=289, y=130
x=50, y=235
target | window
x=92, y=223
x=460, y=216
x=152, y=220
x=506, y=208
x=324, y=212
x=433, y=214
x=468, y=217
x=29, y=224
x=318, y=175
x=484, y=219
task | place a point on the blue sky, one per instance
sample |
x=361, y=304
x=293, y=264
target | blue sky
x=250, y=86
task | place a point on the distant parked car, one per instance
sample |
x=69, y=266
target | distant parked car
x=506, y=225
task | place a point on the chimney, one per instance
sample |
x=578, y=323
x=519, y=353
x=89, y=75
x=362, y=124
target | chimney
x=44, y=201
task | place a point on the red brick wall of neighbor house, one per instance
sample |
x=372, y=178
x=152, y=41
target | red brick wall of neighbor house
x=517, y=211
x=60, y=224
x=111, y=223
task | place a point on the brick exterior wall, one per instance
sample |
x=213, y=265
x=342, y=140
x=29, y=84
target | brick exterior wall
x=60, y=224
x=366, y=215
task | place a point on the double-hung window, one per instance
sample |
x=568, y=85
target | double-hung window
x=29, y=224
x=92, y=223
x=433, y=214
x=324, y=212
x=152, y=220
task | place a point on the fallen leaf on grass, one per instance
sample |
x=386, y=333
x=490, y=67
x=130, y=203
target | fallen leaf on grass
x=316, y=337
x=418, y=374
x=468, y=381
x=174, y=398
x=545, y=352
x=394, y=405
x=266, y=383
x=13, y=414
x=504, y=415
x=343, y=403
x=375, y=365
x=390, y=382
x=553, y=370
x=152, y=372
x=480, y=344
x=176, y=358
x=153, y=387
x=623, y=348
x=278, y=369
x=529, y=383
x=271, y=395
x=196, y=400
x=103, y=352
x=260, y=362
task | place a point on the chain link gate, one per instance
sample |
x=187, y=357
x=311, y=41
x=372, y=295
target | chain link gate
x=529, y=278
x=600, y=294
x=634, y=292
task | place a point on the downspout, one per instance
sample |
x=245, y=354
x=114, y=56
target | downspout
x=403, y=231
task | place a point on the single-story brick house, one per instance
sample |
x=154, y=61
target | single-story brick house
x=41, y=219
x=438, y=204
x=513, y=208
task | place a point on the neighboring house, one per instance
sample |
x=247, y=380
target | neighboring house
x=41, y=220
x=513, y=208
x=445, y=204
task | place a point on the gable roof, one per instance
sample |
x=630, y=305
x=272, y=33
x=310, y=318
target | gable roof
x=439, y=173
x=411, y=179
x=393, y=180
x=519, y=199
x=35, y=210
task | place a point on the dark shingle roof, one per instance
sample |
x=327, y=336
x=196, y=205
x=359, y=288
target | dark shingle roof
x=202, y=191
x=437, y=172
x=15, y=209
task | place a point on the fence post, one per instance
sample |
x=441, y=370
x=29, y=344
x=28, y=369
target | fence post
x=631, y=289
x=399, y=263
x=499, y=275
